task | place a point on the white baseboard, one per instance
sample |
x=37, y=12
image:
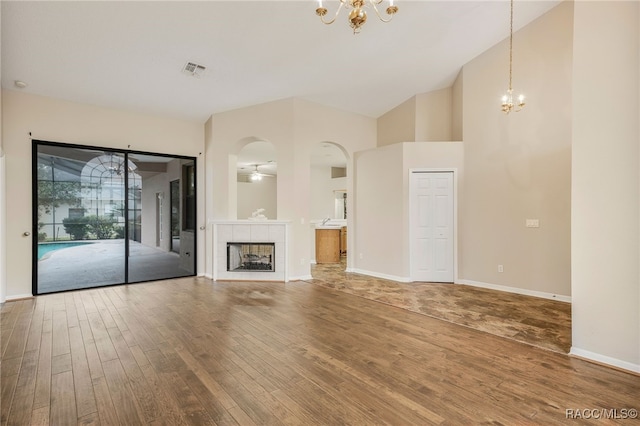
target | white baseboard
x=379, y=275
x=301, y=278
x=210, y=276
x=603, y=359
x=524, y=291
x=19, y=296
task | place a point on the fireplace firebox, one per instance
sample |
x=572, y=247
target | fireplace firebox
x=251, y=257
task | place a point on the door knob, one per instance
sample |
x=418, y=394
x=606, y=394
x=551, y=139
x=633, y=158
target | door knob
x=26, y=234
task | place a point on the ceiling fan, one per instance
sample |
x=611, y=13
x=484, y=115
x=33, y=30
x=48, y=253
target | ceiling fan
x=256, y=175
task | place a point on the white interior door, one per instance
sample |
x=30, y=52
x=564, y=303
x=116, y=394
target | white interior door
x=431, y=233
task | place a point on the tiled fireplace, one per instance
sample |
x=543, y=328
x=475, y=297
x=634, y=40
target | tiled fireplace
x=250, y=250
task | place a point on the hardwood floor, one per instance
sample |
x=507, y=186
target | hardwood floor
x=189, y=351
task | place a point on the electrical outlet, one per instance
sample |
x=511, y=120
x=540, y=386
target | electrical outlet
x=361, y=256
x=302, y=221
x=302, y=261
x=532, y=223
x=500, y=268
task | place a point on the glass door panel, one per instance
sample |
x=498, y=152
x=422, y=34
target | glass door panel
x=161, y=245
x=79, y=210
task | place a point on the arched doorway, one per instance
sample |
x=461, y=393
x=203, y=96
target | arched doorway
x=329, y=211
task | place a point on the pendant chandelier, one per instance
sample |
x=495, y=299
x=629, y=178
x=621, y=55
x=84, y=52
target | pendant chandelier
x=357, y=15
x=508, y=104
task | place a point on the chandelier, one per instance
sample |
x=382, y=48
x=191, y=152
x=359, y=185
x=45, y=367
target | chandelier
x=508, y=104
x=357, y=15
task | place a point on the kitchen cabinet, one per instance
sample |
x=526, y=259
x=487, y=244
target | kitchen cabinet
x=328, y=245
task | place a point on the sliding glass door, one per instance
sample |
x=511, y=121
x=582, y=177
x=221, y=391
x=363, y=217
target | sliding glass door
x=100, y=217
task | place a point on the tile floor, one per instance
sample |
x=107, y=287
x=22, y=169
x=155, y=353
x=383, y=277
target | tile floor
x=539, y=322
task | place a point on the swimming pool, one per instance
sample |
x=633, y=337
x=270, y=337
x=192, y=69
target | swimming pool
x=44, y=248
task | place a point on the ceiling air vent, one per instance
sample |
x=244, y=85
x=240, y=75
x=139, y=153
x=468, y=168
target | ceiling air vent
x=193, y=69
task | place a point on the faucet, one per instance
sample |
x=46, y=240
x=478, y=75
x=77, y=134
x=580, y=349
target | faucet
x=324, y=221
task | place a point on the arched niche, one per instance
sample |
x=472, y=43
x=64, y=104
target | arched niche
x=256, y=181
x=329, y=168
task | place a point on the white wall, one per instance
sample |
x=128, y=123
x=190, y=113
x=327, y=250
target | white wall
x=378, y=244
x=606, y=183
x=457, y=91
x=398, y=124
x=426, y=117
x=518, y=166
x=3, y=222
x=3, y=230
x=258, y=195
x=61, y=121
x=434, y=116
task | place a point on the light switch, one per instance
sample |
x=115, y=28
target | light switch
x=532, y=223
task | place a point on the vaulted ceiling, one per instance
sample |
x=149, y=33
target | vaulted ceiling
x=130, y=55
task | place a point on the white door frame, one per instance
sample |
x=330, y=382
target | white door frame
x=453, y=170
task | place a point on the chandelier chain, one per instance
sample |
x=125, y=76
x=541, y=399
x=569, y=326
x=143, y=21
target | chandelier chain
x=508, y=104
x=511, y=45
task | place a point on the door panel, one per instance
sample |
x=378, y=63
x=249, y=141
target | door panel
x=431, y=240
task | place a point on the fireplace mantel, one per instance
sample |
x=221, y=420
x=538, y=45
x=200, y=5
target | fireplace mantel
x=250, y=231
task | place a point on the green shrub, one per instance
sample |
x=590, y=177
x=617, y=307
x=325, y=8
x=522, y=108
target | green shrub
x=77, y=228
x=119, y=231
x=101, y=226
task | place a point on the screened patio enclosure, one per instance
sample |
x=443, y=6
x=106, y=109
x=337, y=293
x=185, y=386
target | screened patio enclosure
x=104, y=217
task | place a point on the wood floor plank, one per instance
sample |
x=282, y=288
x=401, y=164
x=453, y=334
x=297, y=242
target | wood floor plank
x=107, y=412
x=167, y=371
x=42, y=395
x=7, y=390
x=121, y=394
x=22, y=402
x=104, y=346
x=61, y=363
x=35, y=328
x=83, y=387
x=60, y=342
x=93, y=358
x=16, y=340
x=148, y=407
x=40, y=416
x=92, y=419
x=70, y=309
x=170, y=412
x=79, y=307
x=63, y=400
x=213, y=387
